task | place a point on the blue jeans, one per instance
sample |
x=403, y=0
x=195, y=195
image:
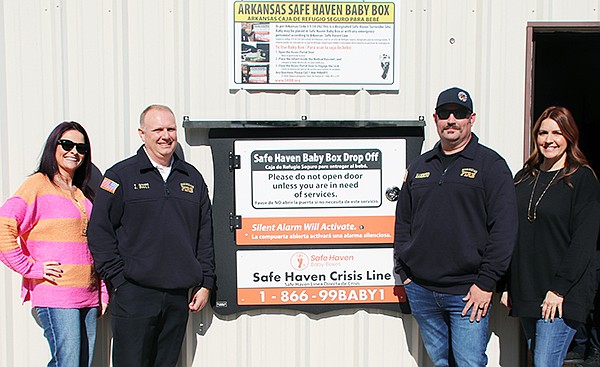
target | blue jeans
x=443, y=328
x=71, y=334
x=548, y=340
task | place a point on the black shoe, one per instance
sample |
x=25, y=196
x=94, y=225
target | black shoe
x=593, y=358
x=573, y=357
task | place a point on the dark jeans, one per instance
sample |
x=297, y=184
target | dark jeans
x=588, y=334
x=148, y=325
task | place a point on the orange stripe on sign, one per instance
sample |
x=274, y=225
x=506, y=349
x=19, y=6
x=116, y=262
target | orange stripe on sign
x=325, y=295
x=319, y=230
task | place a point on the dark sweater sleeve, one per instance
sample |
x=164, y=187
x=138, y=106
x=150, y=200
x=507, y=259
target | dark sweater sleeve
x=502, y=222
x=102, y=236
x=205, y=247
x=584, y=222
x=402, y=227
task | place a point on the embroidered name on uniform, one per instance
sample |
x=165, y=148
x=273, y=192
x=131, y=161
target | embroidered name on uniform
x=187, y=187
x=422, y=175
x=468, y=172
x=141, y=186
x=109, y=185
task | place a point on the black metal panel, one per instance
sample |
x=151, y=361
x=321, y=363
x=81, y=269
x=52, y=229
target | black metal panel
x=222, y=139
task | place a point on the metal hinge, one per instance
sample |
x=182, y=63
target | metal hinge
x=235, y=222
x=234, y=161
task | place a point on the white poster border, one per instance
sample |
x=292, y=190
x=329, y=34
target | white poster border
x=355, y=50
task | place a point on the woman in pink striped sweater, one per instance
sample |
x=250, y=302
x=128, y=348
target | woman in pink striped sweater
x=43, y=237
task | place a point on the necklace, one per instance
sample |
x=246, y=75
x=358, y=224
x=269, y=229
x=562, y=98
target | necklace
x=533, y=216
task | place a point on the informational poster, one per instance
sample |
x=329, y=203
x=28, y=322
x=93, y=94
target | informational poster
x=317, y=221
x=317, y=191
x=313, y=45
x=316, y=277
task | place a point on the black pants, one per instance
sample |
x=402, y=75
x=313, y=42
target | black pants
x=148, y=325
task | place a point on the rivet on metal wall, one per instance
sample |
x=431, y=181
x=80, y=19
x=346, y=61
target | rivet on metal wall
x=452, y=40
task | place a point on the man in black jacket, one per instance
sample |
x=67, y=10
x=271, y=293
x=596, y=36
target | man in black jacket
x=150, y=234
x=456, y=224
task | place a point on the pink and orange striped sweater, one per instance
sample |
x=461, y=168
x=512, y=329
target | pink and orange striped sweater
x=40, y=223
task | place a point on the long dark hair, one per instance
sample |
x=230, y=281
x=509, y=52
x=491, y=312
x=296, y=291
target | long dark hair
x=575, y=157
x=49, y=166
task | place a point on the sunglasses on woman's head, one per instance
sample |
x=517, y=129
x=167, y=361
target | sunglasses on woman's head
x=67, y=145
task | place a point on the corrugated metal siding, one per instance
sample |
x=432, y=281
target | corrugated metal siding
x=102, y=62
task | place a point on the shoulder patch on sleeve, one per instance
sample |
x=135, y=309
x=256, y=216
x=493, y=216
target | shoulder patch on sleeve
x=109, y=185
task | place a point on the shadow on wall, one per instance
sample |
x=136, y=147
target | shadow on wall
x=201, y=322
x=508, y=330
x=505, y=328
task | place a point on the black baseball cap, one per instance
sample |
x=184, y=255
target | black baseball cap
x=456, y=96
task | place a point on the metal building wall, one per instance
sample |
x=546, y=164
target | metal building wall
x=100, y=62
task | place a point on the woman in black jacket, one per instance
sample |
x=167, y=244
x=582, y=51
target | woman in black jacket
x=552, y=275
